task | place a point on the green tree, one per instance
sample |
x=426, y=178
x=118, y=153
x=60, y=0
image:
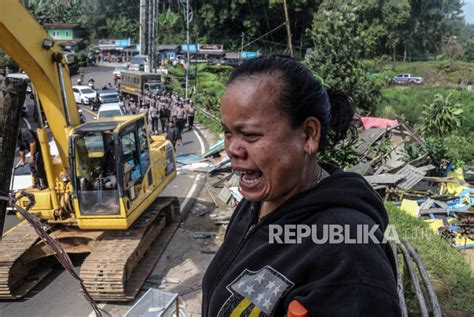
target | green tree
x=396, y=16
x=224, y=21
x=57, y=11
x=432, y=21
x=170, y=27
x=122, y=27
x=339, y=46
x=441, y=117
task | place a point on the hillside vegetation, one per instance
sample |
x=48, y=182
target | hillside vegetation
x=409, y=102
x=435, y=73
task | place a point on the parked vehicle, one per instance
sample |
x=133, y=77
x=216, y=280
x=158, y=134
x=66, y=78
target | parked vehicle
x=83, y=94
x=108, y=96
x=138, y=83
x=109, y=110
x=138, y=62
x=404, y=79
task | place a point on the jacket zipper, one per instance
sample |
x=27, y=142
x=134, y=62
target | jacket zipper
x=230, y=260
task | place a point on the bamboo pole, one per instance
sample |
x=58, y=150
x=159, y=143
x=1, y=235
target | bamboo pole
x=426, y=279
x=400, y=289
x=415, y=281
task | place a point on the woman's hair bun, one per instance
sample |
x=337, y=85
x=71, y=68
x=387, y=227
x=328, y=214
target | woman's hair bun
x=342, y=113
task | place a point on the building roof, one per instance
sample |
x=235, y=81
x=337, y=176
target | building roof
x=68, y=42
x=60, y=26
x=167, y=46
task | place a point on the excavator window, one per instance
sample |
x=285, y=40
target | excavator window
x=95, y=171
x=132, y=172
x=136, y=159
x=144, y=153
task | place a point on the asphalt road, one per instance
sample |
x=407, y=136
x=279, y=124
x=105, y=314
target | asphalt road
x=59, y=294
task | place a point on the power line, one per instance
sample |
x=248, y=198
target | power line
x=257, y=39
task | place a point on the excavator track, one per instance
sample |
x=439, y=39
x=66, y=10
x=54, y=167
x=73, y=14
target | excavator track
x=122, y=261
x=117, y=266
x=18, y=275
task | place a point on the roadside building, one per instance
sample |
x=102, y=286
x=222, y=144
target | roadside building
x=210, y=51
x=116, y=50
x=167, y=52
x=201, y=53
x=67, y=36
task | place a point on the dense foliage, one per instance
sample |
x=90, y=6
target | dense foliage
x=403, y=29
x=337, y=57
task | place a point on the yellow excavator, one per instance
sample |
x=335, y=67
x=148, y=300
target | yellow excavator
x=103, y=187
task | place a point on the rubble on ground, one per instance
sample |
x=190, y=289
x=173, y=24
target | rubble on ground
x=445, y=202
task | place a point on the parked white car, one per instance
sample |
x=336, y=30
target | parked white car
x=83, y=94
x=109, y=110
x=406, y=79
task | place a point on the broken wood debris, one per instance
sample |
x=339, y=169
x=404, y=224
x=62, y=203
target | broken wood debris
x=420, y=188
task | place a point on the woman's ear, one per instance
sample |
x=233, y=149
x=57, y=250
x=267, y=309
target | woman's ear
x=312, y=130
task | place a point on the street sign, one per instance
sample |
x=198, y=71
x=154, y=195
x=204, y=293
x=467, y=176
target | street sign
x=192, y=48
x=114, y=42
x=211, y=48
x=248, y=54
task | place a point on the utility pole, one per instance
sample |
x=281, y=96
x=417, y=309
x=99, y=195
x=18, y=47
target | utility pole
x=150, y=34
x=155, y=24
x=142, y=30
x=187, y=44
x=288, y=31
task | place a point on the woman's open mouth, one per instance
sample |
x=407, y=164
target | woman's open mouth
x=249, y=179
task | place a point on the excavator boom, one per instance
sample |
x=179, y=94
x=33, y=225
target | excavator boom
x=23, y=38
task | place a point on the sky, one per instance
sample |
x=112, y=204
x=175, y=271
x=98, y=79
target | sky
x=469, y=11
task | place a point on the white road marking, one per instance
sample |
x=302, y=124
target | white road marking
x=201, y=142
x=190, y=193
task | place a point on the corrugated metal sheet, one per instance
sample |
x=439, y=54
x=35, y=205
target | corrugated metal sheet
x=368, y=137
x=412, y=176
x=384, y=179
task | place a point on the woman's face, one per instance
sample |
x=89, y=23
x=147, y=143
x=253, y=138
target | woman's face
x=265, y=150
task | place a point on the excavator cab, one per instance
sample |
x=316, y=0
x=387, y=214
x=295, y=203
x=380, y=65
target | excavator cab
x=95, y=169
x=111, y=169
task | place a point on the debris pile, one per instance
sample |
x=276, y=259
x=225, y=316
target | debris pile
x=446, y=202
x=412, y=182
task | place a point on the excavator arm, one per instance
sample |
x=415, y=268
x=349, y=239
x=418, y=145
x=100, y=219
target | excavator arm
x=25, y=40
